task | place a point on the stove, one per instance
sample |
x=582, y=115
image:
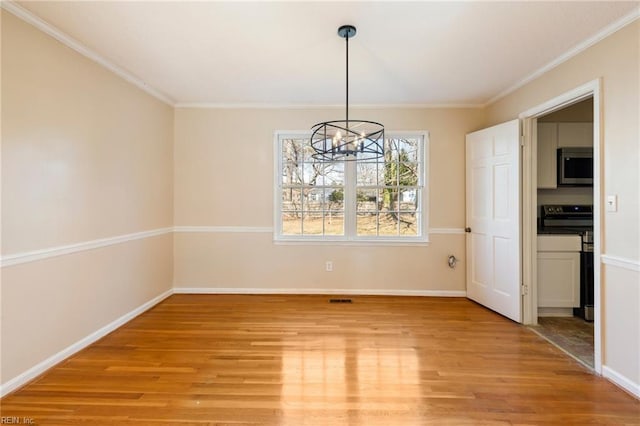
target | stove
x=565, y=218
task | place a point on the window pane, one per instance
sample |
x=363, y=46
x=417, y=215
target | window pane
x=389, y=173
x=312, y=223
x=408, y=149
x=334, y=223
x=307, y=151
x=292, y=199
x=388, y=199
x=367, y=200
x=391, y=150
x=369, y=174
x=313, y=173
x=367, y=224
x=314, y=199
x=292, y=151
x=408, y=199
x=408, y=224
x=334, y=198
x=408, y=173
x=291, y=174
x=291, y=223
x=389, y=223
x=333, y=173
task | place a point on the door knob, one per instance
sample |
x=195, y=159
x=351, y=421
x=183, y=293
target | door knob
x=467, y=229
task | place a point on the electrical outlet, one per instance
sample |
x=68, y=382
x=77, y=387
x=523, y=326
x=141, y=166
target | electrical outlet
x=328, y=266
x=612, y=203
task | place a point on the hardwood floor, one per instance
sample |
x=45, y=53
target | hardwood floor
x=300, y=360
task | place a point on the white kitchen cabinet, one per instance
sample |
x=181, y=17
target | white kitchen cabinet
x=547, y=158
x=558, y=271
x=575, y=135
x=552, y=136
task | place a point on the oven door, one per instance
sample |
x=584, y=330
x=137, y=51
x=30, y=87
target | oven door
x=575, y=166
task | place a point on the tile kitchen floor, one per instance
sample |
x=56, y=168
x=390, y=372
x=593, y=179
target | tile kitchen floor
x=574, y=335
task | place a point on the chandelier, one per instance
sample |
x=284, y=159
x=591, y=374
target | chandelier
x=347, y=139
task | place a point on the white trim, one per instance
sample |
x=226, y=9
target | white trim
x=319, y=291
x=40, y=368
x=368, y=243
x=446, y=231
x=260, y=229
x=621, y=262
x=622, y=381
x=580, y=47
x=35, y=255
x=555, y=312
x=224, y=229
x=349, y=185
x=32, y=256
x=559, y=102
x=47, y=28
x=529, y=117
x=214, y=105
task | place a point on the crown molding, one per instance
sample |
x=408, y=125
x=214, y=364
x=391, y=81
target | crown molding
x=213, y=105
x=580, y=47
x=22, y=13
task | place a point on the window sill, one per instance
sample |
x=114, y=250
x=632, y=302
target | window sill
x=422, y=241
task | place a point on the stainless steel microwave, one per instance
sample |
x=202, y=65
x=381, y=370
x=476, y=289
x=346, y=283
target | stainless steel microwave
x=575, y=166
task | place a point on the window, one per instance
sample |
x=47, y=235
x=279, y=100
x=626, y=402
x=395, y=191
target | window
x=366, y=200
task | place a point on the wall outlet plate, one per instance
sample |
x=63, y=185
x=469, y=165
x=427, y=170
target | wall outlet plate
x=612, y=203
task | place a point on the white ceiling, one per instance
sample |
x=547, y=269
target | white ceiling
x=289, y=53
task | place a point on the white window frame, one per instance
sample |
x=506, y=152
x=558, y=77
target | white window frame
x=350, y=237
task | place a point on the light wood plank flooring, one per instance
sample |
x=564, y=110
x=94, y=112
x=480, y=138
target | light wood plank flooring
x=299, y=360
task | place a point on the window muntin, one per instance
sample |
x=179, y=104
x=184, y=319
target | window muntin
x=369, y=199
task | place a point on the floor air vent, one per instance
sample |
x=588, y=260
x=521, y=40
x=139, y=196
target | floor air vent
x=340, y=301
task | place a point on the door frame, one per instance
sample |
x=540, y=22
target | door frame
x=529, y=120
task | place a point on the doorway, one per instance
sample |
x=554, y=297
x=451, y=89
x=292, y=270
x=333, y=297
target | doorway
x=557, y=311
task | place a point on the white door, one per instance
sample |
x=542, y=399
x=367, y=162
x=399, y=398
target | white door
x=493, y=218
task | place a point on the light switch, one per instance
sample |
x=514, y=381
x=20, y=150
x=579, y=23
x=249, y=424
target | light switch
x=612, y=203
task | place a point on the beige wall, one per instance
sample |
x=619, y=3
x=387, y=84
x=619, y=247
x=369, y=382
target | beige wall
x=616, y=61
x=223, y=155
x=85, y=155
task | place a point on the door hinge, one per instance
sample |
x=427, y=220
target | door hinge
x=524, y=289
x=522, y=140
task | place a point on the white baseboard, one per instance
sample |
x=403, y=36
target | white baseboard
x=622, y=381
x=555, y=312
x=351, y=291
x=40, y=368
